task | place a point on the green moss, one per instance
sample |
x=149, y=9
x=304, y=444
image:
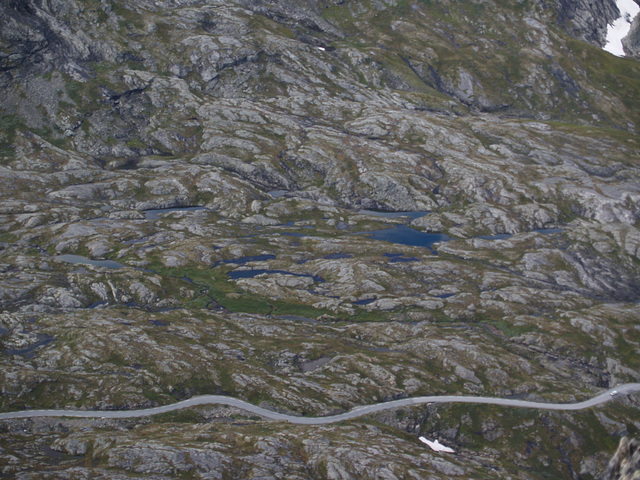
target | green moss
x=136, y=143
x=508, y=329
x=628, y=351
x=130, y=18
x=189, y=415
x=116, y=359
x=8, y=237
x=9, y=124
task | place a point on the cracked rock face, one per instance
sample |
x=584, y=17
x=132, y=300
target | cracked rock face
x=631, y=43
x=314, y=206
x=588, y=20
x=625, y=464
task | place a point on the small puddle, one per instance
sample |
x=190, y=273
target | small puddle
x=98, y=304
x=135, y=241
x=293, y=234
x=155, y=214
x=159, y=323
x=52, y=454
x=549, y=231
x=498, y=236
x=337, y=256
x=445, y=295
x=411, y=215
x=399, y=258
x=79, y=259
x=277, y=193
x=366, y=301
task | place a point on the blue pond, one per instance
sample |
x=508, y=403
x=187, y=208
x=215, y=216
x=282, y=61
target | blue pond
x=404, y=235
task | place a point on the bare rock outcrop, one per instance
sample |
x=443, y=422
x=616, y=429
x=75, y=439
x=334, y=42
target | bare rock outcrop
x=625, y=464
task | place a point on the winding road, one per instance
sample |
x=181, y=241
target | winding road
x=356, y=412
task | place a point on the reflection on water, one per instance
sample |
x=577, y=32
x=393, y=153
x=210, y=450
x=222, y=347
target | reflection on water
x=498, y=236
x=403, y=235
x=547, y=231
x=277, y=193
x=338, y=256
x=411, y=215
x=366, y=301
x=97, y=304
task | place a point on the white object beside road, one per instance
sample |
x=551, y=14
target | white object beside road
x=436, y=446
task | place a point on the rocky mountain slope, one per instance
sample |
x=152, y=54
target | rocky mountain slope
x=198, y=196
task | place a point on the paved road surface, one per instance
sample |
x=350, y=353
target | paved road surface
x=356, y=412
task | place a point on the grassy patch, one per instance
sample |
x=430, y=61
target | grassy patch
x=9, y=124
x=188, y=415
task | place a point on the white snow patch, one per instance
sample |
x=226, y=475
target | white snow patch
x=620, y=27
x=436, y=446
